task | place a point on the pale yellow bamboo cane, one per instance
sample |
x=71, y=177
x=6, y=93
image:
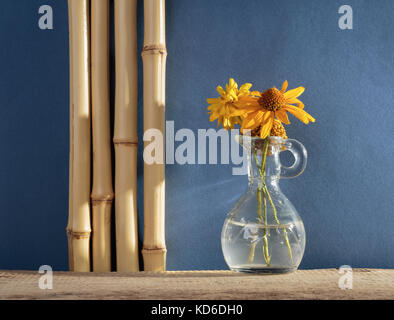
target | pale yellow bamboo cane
x=125, y=135
x=78, y=228
x=154, y=55
x=102, y=191
x=71, y=151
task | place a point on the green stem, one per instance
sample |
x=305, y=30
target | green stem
x=278, y=222
x=267, y=257
x=265, y=238
x=266, y=194
x=253, y=244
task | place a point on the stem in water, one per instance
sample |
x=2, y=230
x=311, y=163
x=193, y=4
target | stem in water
x=266, y=194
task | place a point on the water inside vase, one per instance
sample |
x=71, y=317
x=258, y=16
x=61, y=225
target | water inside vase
x=244, y=245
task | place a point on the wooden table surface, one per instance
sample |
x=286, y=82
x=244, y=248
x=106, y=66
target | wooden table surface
x=185, y=285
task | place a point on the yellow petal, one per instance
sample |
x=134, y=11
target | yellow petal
x=232, y=84
x=250, y=120
x=221, y=91
x=213, y=117
x=284, y=86
x=248, y=108
x=295, y=101
x=267, y=115
x=233, y=94
x=214, y=106
x=299, y=113
x=300, y=104
x=294, y=93
x=236, y=112
x=245, y=87
x=247, y=98
x=282, y=116
x=260, y=116
x=213, y=100
x=267, y=126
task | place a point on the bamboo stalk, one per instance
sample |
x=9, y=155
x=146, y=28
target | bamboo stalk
x=71, y=149
x=125, y=135
x=102, y=191
x=78, y=228
x=154, y=55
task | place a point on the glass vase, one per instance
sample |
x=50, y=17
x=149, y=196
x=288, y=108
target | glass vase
x=263, y=232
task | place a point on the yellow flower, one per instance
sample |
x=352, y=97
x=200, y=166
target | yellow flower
x=225, y=108
x=265, y=106
x=278, y=130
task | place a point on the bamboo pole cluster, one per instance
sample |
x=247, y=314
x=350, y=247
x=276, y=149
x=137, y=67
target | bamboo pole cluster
x=90, y=131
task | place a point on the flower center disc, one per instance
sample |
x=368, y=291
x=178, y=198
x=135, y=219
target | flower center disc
x=272, y=99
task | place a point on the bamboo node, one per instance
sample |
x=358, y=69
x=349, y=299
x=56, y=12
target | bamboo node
x=102, y=197
x=125, y=141
x=98, y=201
x=78, y=234
x=154, y=49
x=154, y=250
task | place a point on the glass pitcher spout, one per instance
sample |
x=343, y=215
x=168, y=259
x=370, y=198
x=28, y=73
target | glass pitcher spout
x=263, y=232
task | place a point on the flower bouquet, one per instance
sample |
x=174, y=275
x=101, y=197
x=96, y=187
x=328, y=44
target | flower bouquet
x=263, y=217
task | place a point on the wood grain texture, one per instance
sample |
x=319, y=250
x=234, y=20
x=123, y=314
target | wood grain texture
x=173, y=285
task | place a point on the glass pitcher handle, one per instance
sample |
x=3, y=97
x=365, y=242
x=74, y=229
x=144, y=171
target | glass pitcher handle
x=300, y=155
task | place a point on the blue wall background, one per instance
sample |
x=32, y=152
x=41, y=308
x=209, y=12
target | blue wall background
x=345, y=196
